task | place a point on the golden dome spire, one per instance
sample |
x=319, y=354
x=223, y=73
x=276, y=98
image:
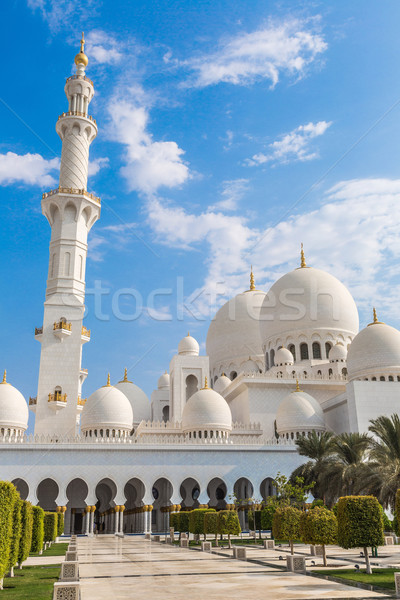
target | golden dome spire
x=205, y=384
x=81, y=58
x=125, y=379
x=375, y=321
x=252, y=285
x=303, y=258
x=4, y=377
x=297, y=386
x=108, y=384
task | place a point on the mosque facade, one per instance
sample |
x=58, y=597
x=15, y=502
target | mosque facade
x=218, y=428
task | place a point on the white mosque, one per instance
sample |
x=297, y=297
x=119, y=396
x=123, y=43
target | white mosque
x=278, y=365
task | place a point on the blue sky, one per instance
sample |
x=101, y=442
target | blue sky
x=229, y=132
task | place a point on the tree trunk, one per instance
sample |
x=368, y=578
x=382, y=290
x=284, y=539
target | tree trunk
x=367, y=563
x=291, y=547
x=216, y=540
x=1, y=583
x=324, y=554
x=20, y=565
x=11, y=573
x=229, y=540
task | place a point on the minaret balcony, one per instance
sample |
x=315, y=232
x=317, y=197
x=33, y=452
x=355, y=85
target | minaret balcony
x=38, y=333
x=32, y=404
x=79, y=77
x=76, y=113
x=62, y=190
x=57, y=400
x=85, y=334
x=83, y=374
x=62, y=329
x=81, y=403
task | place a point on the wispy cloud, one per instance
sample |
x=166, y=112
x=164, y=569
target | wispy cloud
x=28, y=169
x=149, y=164
x=233, y=191
x=354, y=234
x=60, y=14
x=104, y=48
x=279, y=48
x=293, y=146
x=96, y=164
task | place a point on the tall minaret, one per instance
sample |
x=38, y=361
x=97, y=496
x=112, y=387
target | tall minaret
x=71, y=212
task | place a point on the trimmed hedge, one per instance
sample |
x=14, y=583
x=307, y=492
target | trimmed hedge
x=183, y=521
x=174, y=521
x=50, y=526
x=286, y=524
x=37, y=529
x=196, y=520
x=387, y=523
x=267, y=516
x=360, y=523
x=228, y=523
x=60, y=524
x=319, y=526
x=8, y=498
x=26, y=532
x=211, y=524
x=15, y=536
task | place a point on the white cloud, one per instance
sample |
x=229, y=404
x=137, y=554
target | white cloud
x=149, y=164
x=30, y=169
x=286, y=47
x=292, y=146
x=103, y=48
x=233, y=191
x=60, y=14
x=354, y=235
x=96, y=164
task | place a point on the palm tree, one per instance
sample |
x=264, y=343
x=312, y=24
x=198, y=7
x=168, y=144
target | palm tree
x=384, y=478
x=319, y=449
x=347, y=469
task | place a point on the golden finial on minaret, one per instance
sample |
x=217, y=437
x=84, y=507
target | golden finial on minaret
x=252, y=284
x=108, y=384
x=125, y=379
x=303, y=258
x=81, y=58
x=205, y=384
x=4, y=377
x=375, y=321
x=188, y=335
x=297, y=386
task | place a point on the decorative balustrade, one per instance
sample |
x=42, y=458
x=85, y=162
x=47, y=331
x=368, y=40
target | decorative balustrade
x=82, y=401
x=62, y=325
x=32, y=401
x=62, y=190
x=84, y=371
x=85, y=332
x=57, y=397
x=76, y=113
x=79, y=77
x=38, y=330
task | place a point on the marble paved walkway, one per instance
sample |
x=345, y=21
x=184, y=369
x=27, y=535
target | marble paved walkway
x=119, y=569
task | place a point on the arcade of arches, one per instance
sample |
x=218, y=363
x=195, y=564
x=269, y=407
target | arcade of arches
x=135, y=516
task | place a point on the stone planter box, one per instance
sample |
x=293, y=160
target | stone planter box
x=397, y=584
x=147, y=536
x=156, y=538
x=184, y=536
x=297, y=564
x=64, y=590
x=206, y=546
x=239, y=553
x=269, y=544
x=71, y=556
x=184, y=543
x=389, y=540
x=69, y=571
x=316, y=551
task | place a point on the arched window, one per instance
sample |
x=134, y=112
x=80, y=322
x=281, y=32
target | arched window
x=266, y=361
x=67, y=263
x=272, y=358
x=292, y=349
x=319, y=373
x=330, y=372
x=373, y=378
x=316, y=350
x=390, y=378
x=232, y=375
x=165, y=413
x=382, y=378
x=191, y=386
x=328, y=347
x=304, y=351
x=344, y=372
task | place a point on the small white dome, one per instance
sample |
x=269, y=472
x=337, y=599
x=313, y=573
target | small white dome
x=222, y=383
x=189, y=346
x=164, y=381
x=375, y=350
x=139, y=402
x=206, y=409
x=249, y=366
x=283, y=357
x=107, y=408
x=14, y=411
x=337, y=353
x=299, y=412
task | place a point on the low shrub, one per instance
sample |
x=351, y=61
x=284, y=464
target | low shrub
x=50, y=526
x=286, y=524
x=26, y=532
x=228, y=523
x=319, y=526
x=15, y=536
x=196, y=520
x=37, y=529
x=60, y=523
x=8, y=498
x=211, y=524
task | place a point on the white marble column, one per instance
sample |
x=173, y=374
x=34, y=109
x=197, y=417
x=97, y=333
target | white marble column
x=121, y=519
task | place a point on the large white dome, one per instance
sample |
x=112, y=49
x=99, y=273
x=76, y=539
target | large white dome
x=14, y=411
x=206, y=410
x=306, y=301
x=374, y=351
x=299, y=412
x=139, y=402
x=107, y=408
x=234, y=333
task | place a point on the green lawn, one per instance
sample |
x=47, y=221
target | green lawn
x=54, y=550
x=31, y=582
x=383, y=578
